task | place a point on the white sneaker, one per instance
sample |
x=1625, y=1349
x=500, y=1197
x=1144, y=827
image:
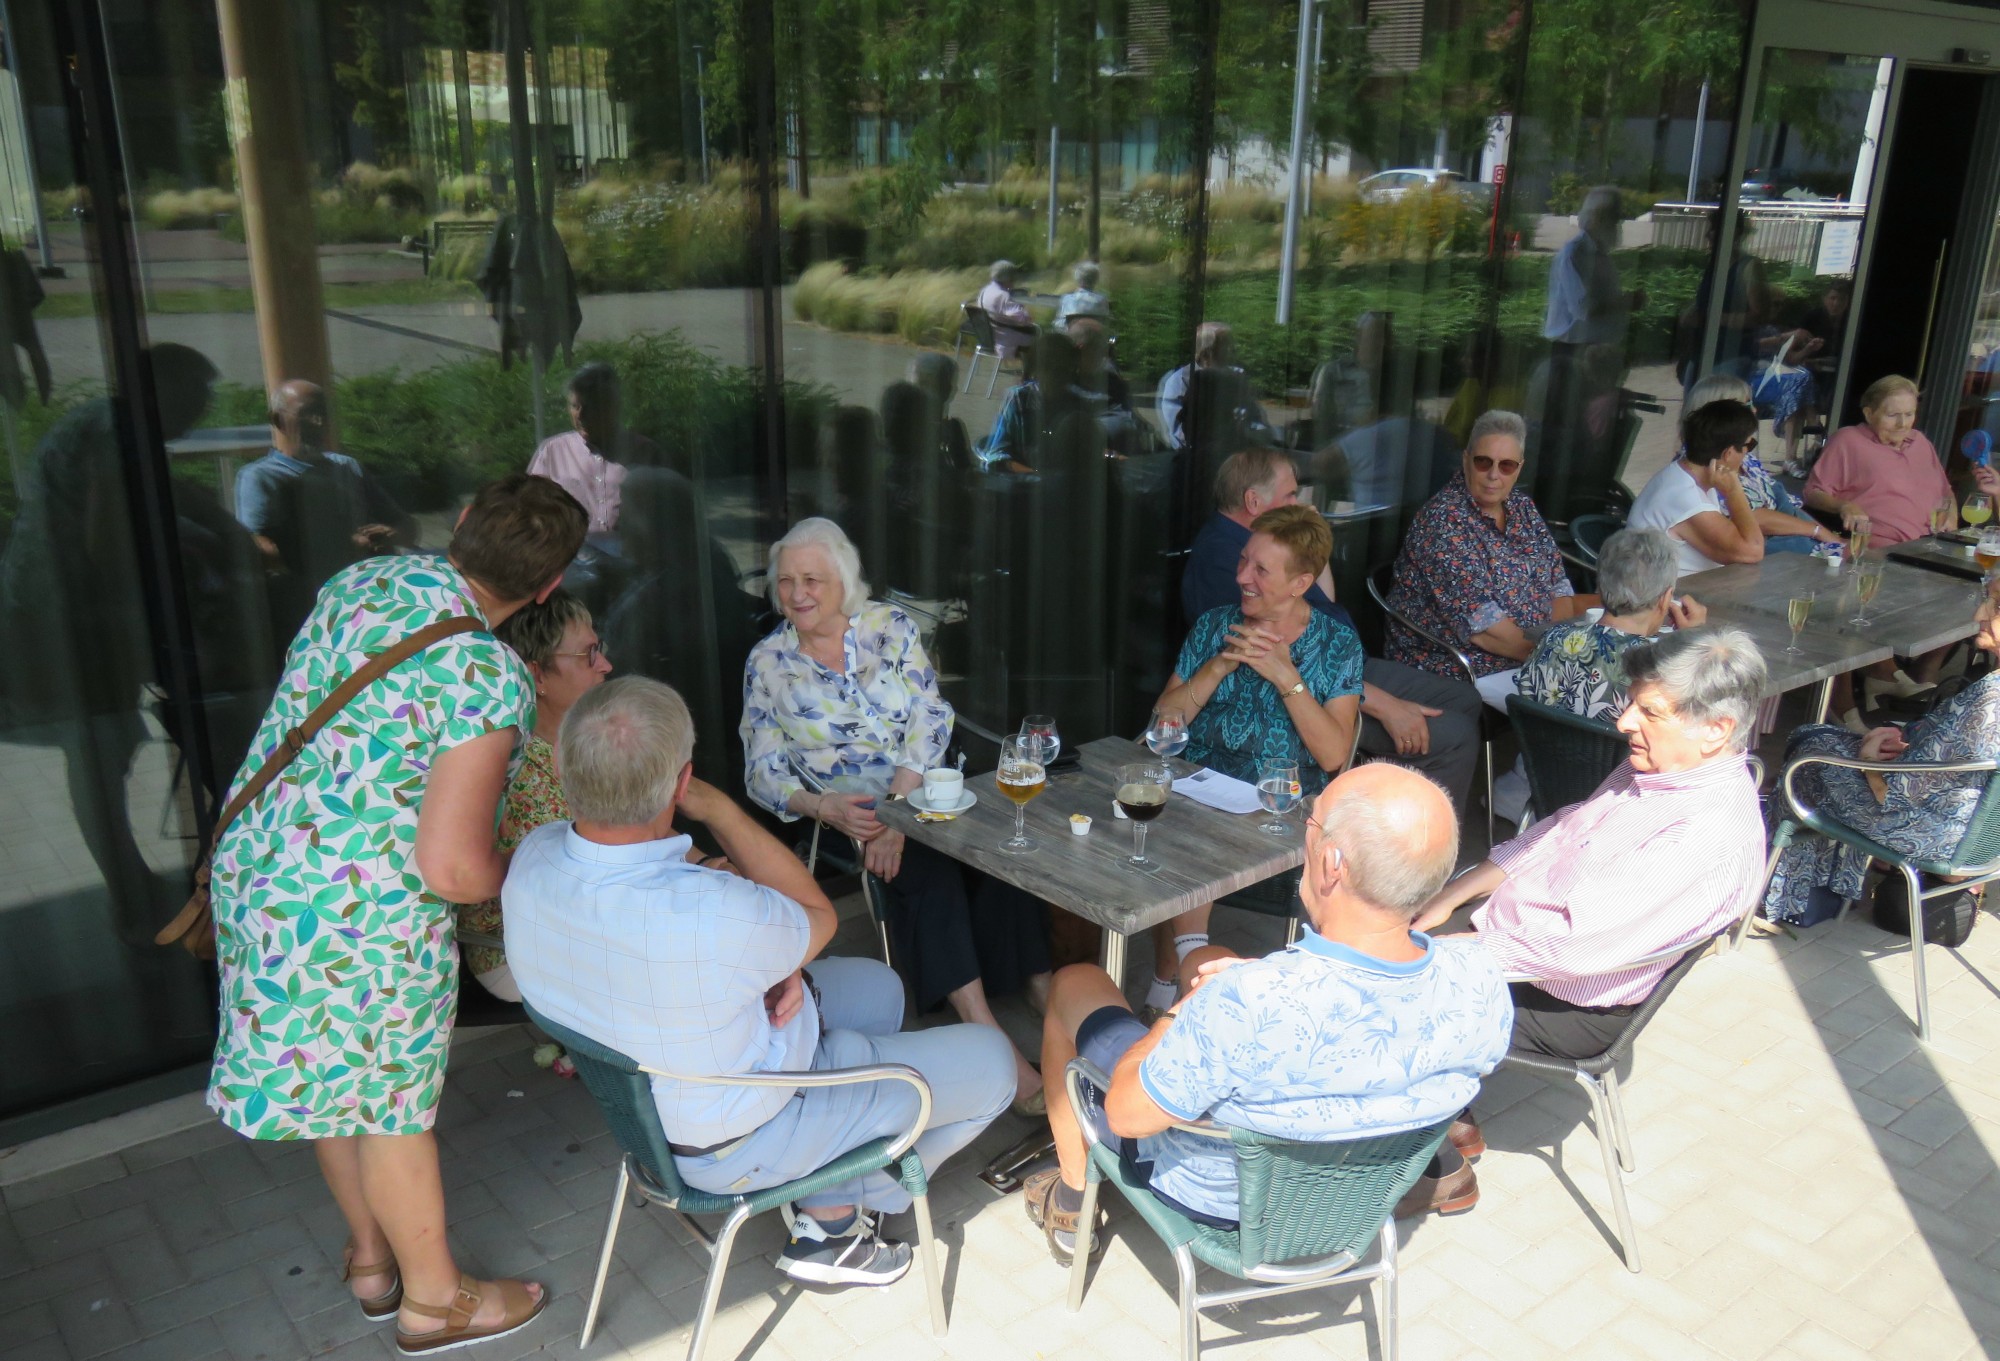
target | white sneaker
x=1851, y=720
x=1903, y=686
x=861, y=1256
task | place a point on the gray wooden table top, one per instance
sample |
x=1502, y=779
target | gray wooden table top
x=1940, y=555
x=1915, y=610
x=1203, y=854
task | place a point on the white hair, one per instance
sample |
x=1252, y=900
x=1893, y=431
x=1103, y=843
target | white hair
x=1635, y=567
x=1717, y=387
x=1498, y=422
x=623, y=747
x=820, y=532
x=1707, y=673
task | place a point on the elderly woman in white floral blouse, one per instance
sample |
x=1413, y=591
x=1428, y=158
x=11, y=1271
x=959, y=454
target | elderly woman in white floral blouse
x=843, y=689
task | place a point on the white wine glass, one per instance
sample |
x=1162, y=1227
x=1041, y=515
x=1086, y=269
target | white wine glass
x=1044, y=727
x=1278, y=790
x=1167, y=734
x=1022, y=776
x=1142, y=793
x=1867, y=581
x=1797, y=611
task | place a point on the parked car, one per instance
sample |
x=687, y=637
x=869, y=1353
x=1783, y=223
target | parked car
x=1389, y=185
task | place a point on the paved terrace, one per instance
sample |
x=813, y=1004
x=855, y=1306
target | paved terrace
x=1812, y=1184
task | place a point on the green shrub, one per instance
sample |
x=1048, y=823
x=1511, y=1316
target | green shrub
x=920, y=306
x=186, y=209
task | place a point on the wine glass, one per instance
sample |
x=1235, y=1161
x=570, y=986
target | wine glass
x=1941, y=514
x=1167, y=734
x=1977, y=510
x=1044, y=727
x=1857, y=540
x=1022, y=775
x=1797, y=610
x=1867, y=581
x=1986, y=552
x=1142, y=795
x=1278, y=790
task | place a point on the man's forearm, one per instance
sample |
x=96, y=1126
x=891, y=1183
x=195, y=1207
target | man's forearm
x=763, y=859
x=1478, y=882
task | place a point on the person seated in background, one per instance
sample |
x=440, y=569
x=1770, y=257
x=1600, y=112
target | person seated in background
x=1265, y=678
x=1364, y=1027
x=1072, y=378
x=1084, y=300
x=937, y=374
x=1578, y=664
x=1922, y=815
x=1420, y=720
x=607, y=917
x=843, y=691
x=1014, y=329
x=310, y=510
x=1479, y=569
x=1698, y=499
x=1667, y=852
x=591, y=458
x=1787, y=526
x=1214, y=348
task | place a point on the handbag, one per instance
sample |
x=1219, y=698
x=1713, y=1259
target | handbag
x=193, y=927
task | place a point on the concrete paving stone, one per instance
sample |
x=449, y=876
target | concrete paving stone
x=556, y=1153
x=186, y=1143
x=196, y=1341
x=287, y=1238
x=518, y=1116
x=199, y=1300
x=94, y=1321
x=1931, y=1121
x=336, y=1327
x=231, y=1171
x=1574, y=1312
x=1881, y=1049
x=26, y=1324
x=86, y=1235
x=145, y=1265
x=265, y=1207
x=253, y=1332
x=64, y=1182
x=370, y=1347
x=528, y=1196
x=1929, y=1331
x=192, y=1219
x=1748, y=1327
x=44, y=1216
x=1811, y=1340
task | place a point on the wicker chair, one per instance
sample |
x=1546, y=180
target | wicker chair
x=623, y=1088
x=1567, y=756
x=1326, y=1203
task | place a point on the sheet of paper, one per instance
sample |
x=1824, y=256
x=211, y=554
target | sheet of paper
x=1223, y=792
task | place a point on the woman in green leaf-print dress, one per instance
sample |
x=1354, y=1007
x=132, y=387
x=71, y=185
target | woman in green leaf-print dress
x=332, y=891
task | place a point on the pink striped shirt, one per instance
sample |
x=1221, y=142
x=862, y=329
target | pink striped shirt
x=1645, y=863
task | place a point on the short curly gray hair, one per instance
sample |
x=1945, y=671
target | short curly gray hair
x=822, y=533
x=1506, y=423
x=1709, y=673
x=1634, y=569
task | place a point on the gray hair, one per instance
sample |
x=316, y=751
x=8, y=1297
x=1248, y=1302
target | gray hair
x=1602, y=207
x=1634, y=569
x=1717, y=387
x=1388, y=864
x=936, y=374
x=820, y=532
x=1002, y=269
x=1086, y=274
x=1708, y=673
x=623, y=747
x=1506, y=423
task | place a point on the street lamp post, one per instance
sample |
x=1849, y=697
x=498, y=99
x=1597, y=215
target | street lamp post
x=701, y=99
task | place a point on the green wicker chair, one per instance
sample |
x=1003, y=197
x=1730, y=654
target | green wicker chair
x=1567, y=756
x=624, y=1090
x=1976, y=860
x=1325, y=1203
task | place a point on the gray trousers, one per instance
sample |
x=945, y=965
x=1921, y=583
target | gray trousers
x=1454, y=734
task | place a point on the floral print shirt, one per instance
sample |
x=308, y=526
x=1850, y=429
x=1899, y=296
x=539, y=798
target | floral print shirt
x=1460, y=574
x=534, y=799
x=1244, y=721
x=881, y=712
x=1579, y=666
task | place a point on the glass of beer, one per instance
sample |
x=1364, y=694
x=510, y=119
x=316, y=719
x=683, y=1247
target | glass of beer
x=1022, y=775
x=1278, y=790
x=1867, y=581
x=1797, y=610
x=1142, y=796
x=1986, y=552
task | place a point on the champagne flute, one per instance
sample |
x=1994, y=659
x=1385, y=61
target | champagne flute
x=1941, y=514
x=1022, y=775
x=1044, y=727
x=1797, y=611
x=1867, y=581
x=1142, y=796
x=1167, y=734
x=1278, y=790
x=1857, y=540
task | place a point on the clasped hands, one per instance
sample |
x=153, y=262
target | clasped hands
x=1263, y=651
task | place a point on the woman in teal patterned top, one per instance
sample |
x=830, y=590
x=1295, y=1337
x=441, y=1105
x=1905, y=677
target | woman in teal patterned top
x=1269, y=678
x=332, y=892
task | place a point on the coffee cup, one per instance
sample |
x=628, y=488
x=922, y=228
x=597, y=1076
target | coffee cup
x=944, y=788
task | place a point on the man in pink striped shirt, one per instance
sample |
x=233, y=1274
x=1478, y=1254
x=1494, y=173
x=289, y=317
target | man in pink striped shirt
x=1668, y=851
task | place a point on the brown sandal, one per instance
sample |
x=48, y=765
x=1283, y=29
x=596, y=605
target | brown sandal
x=521, y=1310
x=1038, y=1194
x=378, y=1308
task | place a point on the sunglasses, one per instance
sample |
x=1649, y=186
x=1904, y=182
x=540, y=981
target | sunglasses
x=1486, y=463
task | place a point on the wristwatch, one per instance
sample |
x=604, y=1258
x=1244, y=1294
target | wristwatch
x=1298, y=689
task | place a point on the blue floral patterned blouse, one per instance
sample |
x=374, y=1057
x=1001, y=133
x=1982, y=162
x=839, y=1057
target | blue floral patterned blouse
x=1579, y=666
x=881, y=713
x=1245, y=721
x=1460, y=574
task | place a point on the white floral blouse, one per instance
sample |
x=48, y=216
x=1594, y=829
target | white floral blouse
x=883, y=712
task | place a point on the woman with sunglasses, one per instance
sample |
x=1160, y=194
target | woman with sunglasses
x=1698, y=499
x=1479, y=569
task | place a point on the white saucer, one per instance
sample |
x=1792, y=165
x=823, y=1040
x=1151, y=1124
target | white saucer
x=922, y=805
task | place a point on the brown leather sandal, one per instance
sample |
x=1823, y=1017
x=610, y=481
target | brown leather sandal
x=520, y=1310
x=1038, y=1194
x=377, y=1308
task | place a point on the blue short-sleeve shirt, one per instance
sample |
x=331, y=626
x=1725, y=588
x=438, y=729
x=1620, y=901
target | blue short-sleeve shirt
x=1245, y=721
x=1321, y=1042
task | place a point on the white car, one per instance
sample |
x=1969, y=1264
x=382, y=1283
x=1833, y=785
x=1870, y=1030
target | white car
x=1389, y=185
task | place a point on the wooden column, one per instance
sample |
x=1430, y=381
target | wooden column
x=274, y=178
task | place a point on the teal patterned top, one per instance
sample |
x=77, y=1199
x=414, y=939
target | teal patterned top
x=1245, y=721
x=339, y=971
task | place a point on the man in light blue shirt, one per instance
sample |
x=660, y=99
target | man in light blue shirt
x=699, y=972
x=1364, y=1027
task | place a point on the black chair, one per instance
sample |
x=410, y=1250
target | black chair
x=974, y=324
x=1598, y=1076
x=1567, y=755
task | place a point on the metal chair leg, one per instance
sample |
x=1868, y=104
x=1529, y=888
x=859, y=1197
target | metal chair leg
x=1915, y=887
x=927, y=1246
x=971, y=370
x=725, y=1239
x=1627, y=1158
x=1489, y=795
x=1079, y=1266
x=1190, y=1316
x=604, y=1256
x=1628, y=1242
x=1388, y=1319
x=998, y=364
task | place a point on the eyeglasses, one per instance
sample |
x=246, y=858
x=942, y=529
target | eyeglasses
x=1486, y=463
x=1749, y=446
x=595, y=653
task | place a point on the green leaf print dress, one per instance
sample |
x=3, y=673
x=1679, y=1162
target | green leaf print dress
x=339, y=971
